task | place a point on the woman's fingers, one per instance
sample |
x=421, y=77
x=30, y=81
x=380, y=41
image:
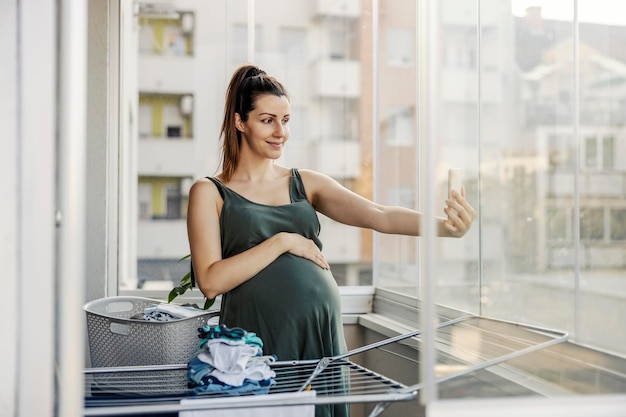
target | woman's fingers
x=320, y=259
x=306, y=248
x=460, y=214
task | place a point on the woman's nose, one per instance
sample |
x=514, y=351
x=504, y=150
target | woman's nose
x=279, y=130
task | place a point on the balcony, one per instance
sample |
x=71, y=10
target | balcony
x=166, y=74
x=337, y=78
x=466, y=13
x=597, y=184
x=342, y=244
x=166, y=239
x=166, y=157
x=334, y=8
x=337, y=159
x=459, y=85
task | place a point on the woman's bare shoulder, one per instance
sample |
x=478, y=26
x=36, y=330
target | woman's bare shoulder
x=314, y=178
x=205, y=187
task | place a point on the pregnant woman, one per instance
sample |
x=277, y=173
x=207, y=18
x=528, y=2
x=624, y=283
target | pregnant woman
x=253, y=229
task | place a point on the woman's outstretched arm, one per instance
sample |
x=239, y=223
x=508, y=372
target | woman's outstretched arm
x=345, y=206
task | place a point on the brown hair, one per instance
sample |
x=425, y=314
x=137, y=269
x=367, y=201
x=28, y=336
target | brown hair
x=246, y=84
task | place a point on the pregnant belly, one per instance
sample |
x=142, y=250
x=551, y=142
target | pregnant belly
x=288, y=284
x=293, y=305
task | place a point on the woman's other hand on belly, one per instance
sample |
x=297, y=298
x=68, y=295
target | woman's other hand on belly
x=303, y=247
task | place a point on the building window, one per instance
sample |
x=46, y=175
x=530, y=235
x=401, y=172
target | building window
x=163, y=116
x=400, y=46
x=398, y=127
x=608, y=152
x=144, y=124
x=591, y=152
x=556, y=223
x=293, y=44
x=401, y=196
x=144, y=193
x=618, y=224
x=600, y=154
x=173, y=201
x=171, y=34
x=560, y=152
x=592, y=223
x=240, y=42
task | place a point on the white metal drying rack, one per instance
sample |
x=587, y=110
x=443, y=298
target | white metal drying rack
x=159, y=389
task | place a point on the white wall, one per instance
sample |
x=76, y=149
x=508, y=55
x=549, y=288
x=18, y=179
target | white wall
x=27, y=213
x=8, y=210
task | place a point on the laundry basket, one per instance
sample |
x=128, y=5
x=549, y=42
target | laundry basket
x=117, y=340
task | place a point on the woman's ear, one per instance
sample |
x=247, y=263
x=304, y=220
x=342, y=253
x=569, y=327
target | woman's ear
x=238, y=122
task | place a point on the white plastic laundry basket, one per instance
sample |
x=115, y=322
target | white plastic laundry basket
x=117, y=340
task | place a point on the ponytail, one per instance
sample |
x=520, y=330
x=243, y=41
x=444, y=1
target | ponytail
x=246, y=84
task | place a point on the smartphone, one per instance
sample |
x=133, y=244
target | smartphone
x=455, y=180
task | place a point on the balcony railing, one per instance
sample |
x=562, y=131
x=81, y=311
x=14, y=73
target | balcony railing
x=595, y=184
x=166, y=74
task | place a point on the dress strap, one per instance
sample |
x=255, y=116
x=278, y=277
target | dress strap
x=296, y=187
x=220, y=187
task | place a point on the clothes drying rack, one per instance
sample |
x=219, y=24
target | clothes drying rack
x=134, y=390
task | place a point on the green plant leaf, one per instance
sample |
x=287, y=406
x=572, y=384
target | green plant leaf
x=208, y=302
x=185, y=285
x=186, y=279
x=185, y=257
x=176, y=291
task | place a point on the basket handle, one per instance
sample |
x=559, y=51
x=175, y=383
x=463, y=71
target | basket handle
x=120, y=306
x=120, y=328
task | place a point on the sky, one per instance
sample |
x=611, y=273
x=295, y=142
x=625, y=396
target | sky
x=609, y=12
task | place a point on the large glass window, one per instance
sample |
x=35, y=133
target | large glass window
x=530, y=105
x=185, y=53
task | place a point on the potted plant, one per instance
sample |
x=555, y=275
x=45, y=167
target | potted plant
x=186, y=283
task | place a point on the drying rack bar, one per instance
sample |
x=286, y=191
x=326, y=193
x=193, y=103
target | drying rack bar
x=129, y=390
x=326, y=361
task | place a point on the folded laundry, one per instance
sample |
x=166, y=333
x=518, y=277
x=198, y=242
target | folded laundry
x=221, y=331
x=230, y=361
x=215, y=386
x=227, y=357
x=157, y=316
x=167, y=311
x=201, y=374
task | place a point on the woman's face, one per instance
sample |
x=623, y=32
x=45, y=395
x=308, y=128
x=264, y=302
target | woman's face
x=267, y=128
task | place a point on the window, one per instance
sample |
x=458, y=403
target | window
x=145, y=201
x=164, y=115
x=557, y=223
x=608, y=152
x=240, y=42
x=167, y=32
x=560, y=152
x=173, y=202
x=618, y=224
x=591, y=152
x=600, y=153
x=398, y=127
x=592, y=223
x=504, y=115
x=400, y=46
x=293, y=44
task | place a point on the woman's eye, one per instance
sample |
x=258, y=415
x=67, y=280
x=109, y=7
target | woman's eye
x=285, y=121
x=266, y=121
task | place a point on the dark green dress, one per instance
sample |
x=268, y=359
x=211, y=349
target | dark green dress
x=293, y=304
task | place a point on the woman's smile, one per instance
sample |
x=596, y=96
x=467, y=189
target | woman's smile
x=276, y=145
